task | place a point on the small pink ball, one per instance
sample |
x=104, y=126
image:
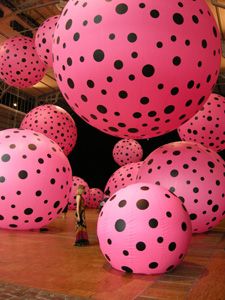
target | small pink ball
x=44, y=39
x=207, y=127
x=54, y=122
x=76, y=182
x=20, y=66
x=96, y=196
x=122, y=177
x=127, y=151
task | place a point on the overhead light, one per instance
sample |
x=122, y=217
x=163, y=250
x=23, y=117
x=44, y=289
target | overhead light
x=61, y=4
x=15, y=104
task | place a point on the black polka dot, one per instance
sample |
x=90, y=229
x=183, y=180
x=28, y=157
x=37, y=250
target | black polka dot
x=153, y=223
x=32, y=147
x=120, y=225
x=132, y=37
x=125, y=252
x=184, y=226
x=148, y=70
x=102, y=109
x=69, y=24
x=121, y=8
x=172, y=246
x=39, y=219
x=28, y=211
x=153, y=265
x=160, y=239
x=70, y=83
x=5, y=157
x=193, y=216
x=122, y=203
x=76, y=36
x=169, y=109
x=109, y=241
x=142, y=204
x=174, y=173
x=127, y=269
x=22, y=174
x=98, y=55
x=140, y=246
x=97, y=19
x=178, y=19
x=154, y=13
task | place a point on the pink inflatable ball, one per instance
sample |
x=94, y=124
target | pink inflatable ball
x=54, y=122
x=35, y=179
x=44, y=39
x=122, y=177
x=127, y=151
x=195, y=174
x=20, y=66
x=144, y=229
x=72, y=199
x=96, y=196
x=135, y=58
x=207, y=127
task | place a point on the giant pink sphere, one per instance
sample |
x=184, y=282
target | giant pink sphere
x=127, y=151
x=44, y=39
x=207, y=127
x=96, y=196
x=54, y=122
x=145, y=229
x=122, y=177
x=135, y=69
x=195, y=174
x=20, y=66
x=72, y=198
x=35, y=179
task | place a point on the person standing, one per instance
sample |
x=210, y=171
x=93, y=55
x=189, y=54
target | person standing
x=81, y=238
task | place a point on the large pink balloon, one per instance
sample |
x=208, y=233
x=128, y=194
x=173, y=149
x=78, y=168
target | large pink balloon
x=207, y=127
x=35, y=179
x=96, y=196
x=44, y=39
x=54, y=122
x=145, y=229
x=122, y=177
x=135, y=69
x=20, y=66
x=193, y=173
x=76, y=182
x=127, y=151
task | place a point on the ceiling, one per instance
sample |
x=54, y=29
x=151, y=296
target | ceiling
x=31, y=13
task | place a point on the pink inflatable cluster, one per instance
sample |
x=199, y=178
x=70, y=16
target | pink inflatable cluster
x=54, y=122
x=136, y=236
x=127, y=151
x=207, y=127
x=44, y=39
x=76, y=182
x=128, y=91
x=20, y=66
x=122, y=177
x=195, y=174
x=35, y=179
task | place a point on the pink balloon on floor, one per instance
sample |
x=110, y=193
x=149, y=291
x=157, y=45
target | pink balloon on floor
x=44, y=39
x=127, y=151
x=72, y=199
x=195, y=174
x=144, y=229
x=115, y=63
x=207, y=127
x=35, y=179
x=122, y=177
x=54, y=122
x=20, y=66
x=96, y=196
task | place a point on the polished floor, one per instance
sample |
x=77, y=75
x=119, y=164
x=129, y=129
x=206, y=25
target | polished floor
x=46, y=265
